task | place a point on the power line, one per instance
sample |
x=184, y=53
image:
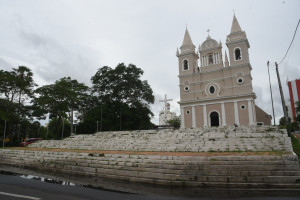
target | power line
x=291, y=43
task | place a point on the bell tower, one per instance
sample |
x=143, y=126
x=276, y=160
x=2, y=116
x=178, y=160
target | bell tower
x=237, y=44
x=187, y=57
x=210, y=54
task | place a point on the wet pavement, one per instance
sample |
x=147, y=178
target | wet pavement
x=40, y=185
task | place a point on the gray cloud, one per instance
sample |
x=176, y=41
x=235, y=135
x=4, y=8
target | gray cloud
x=74, y=38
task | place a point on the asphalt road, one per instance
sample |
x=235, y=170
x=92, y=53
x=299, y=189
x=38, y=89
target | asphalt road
x=17, y=188
x=33, y=189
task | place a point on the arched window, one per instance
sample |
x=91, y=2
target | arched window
x=210, y=59
x=212, y=89
x=185, y=65
x=214, y=119
x=237, y=54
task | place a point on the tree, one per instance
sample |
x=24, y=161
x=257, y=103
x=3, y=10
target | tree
x=15, y=88
x=122, y=98
x=297, y=111
x=174, y=122
x=122, y=84
x=282, y=121
x=60, y=98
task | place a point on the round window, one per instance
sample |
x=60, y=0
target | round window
x=186, y=88
x=187, y=112
x=240, y=80
x=212, y=89
x=243, y=107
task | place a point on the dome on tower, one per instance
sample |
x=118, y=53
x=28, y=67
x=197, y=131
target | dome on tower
x=209, y=44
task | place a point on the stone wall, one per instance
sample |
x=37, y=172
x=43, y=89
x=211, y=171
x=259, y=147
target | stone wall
x=192, y=171
x=221, y=139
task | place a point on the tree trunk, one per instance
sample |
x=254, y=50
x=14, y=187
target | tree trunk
x=56, y=126
x=71, y=120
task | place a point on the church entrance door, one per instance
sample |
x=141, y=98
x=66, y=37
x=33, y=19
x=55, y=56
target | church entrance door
x=214, y=119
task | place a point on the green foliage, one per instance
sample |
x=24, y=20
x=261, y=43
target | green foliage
x=123, y=97
x=174, y=122
x=118, y=95
x=282, y=121
x=294, y=126
x=16, y=87
x=60, y=98
x=296, y=145
x=64, y=127
x=122, y=84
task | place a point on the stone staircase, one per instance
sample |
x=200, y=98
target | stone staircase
x=222, y=139
x=281, y=171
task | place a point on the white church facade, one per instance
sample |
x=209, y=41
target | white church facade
x=165, y=116
x=217, y=93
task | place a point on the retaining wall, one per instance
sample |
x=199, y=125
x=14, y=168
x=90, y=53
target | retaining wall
x=209, y=139
x=191, y=171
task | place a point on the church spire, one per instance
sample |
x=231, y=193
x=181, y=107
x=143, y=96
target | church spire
x=187, y=38
x=187, y=44
x=235, y=27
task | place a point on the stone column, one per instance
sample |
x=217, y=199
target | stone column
x=182, y=118
x=236, y=114
x=204, y=115
x=254, y=113
x=193, y=117
x=250, y=111
x=223, y=115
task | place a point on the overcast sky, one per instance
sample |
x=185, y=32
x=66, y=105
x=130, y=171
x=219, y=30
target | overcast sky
x=58, y=38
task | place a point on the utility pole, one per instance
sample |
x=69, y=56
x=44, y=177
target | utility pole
x=271, y=94
x=47, y=132
x=97, y=126
x=47, y=126
x=120, y=120
x=63, y=126
x=4, y=132
x=101, y=120
x=71, y=121
x=287, y=121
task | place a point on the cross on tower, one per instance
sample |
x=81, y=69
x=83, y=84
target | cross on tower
x=207, y=32
x=165, y=109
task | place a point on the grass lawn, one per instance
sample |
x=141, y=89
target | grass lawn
x=296, y=143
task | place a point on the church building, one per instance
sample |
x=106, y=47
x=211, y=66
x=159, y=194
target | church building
x=217, y=93
x=165, y=115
